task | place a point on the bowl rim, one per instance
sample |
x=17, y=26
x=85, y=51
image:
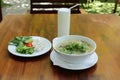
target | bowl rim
x=84, y=54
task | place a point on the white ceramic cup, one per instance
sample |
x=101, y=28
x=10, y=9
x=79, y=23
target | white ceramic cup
x=64, y=21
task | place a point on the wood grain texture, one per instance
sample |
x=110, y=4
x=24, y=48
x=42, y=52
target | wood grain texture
x=104, y=29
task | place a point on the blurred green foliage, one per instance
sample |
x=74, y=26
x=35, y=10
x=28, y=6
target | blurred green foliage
x=100, y=7
x=4, y=4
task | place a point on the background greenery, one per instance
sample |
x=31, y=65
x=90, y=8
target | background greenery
x=100, y=6
x=4, y=4
x=92, y=6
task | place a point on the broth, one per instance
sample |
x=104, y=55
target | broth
x=74, y=47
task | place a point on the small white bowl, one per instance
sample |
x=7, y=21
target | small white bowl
x=73, y=58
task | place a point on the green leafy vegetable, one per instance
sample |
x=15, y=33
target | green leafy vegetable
x=20, y=43
x=16, y=41
x=27, y=39
x=70, y=48
x=25, y=50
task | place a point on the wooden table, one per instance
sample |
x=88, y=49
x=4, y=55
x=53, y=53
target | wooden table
x=104, y=29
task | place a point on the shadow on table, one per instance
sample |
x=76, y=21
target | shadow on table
x=27, y=59
x=74, y=74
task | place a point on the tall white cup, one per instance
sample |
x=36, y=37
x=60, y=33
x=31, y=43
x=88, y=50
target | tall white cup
x=64, y=21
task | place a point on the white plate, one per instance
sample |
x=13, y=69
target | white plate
x=84, y=64
x=47, y=47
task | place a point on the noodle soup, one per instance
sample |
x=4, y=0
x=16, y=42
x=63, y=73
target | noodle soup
x=74, y=47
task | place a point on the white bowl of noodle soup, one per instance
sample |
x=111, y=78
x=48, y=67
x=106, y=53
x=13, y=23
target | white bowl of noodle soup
x=73, y=48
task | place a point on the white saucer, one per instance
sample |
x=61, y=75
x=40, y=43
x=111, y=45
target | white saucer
x=84, y=64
